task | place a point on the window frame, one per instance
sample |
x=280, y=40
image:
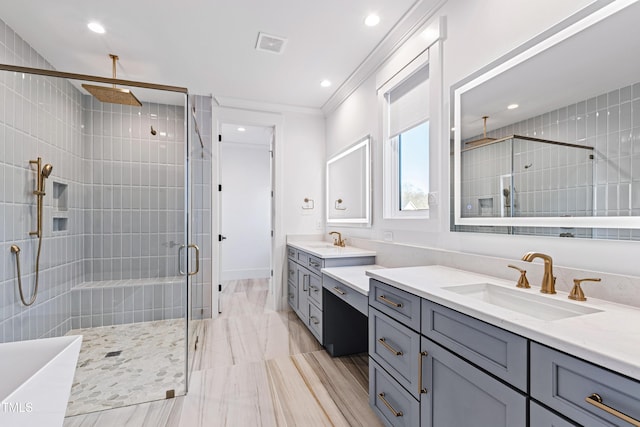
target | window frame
x=391, y=167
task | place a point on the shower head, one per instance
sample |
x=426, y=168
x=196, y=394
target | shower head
x=113, y=95
x=46, y=170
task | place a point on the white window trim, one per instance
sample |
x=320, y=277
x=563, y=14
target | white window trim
x=390, y=194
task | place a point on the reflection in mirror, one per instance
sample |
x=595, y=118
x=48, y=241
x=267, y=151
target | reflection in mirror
x=559, y=153
x=348, y=185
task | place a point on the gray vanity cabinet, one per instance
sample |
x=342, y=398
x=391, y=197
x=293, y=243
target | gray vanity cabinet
x=304, y=284
x=563, y=382
x=456, y=393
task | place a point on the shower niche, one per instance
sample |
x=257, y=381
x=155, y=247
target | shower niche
x=60, y=199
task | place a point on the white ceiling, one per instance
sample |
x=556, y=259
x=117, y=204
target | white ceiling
x=208, y=46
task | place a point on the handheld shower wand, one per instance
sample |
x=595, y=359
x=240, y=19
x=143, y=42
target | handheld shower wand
x=43, y=173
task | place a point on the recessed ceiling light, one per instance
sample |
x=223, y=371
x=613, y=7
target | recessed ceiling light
x=241, y=129
x=512, y=106
x=372, y=20
x=325, y=83
x=96, y=27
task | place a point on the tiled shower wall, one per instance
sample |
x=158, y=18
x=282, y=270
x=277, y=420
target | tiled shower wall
x=39, y=116
x=611, y=124
x=134, y=192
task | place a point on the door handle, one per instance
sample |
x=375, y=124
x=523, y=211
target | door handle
x=190, y=273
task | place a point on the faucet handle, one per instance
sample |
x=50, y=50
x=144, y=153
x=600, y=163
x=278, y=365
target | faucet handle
x=576, y=293
x=523, y=282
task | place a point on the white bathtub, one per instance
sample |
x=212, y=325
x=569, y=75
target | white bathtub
x=36, y=379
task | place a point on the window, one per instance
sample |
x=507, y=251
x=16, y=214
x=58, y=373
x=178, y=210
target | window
x=413, y=168
x=406, y=151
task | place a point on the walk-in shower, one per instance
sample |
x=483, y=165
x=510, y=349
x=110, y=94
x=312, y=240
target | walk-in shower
x=119, y=203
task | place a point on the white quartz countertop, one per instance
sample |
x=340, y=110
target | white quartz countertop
x=353, y=276
x=324, y=249
x=609, y=338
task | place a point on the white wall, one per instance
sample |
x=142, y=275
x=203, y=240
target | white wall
x=476, y=34
x=246, y=211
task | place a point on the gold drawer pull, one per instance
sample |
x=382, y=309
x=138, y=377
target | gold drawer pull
x=386, y=300
x=314, y=319
x=388, y=405
x=314, y=288
x=388, y=347
x=596, y=401
x=338, y=290
x=420, y=356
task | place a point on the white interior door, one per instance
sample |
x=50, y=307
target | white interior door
x=246, y=202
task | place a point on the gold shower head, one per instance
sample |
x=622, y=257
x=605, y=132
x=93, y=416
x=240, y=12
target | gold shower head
x=484, y=139
x=113, y=94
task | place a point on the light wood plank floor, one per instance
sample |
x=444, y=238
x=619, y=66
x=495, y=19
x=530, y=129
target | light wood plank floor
x=256, y=367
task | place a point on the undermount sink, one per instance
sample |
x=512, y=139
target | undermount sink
x=522, y=301
x=322, y=245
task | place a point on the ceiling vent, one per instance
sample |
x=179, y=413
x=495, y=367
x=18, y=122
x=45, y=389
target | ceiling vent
x=270, y=43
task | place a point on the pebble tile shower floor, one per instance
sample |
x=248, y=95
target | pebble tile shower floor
x=151, y=361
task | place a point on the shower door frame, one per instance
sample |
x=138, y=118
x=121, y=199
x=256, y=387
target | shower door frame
x=187, y=198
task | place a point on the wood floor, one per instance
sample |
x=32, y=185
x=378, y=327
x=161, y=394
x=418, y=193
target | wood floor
x=256, y=367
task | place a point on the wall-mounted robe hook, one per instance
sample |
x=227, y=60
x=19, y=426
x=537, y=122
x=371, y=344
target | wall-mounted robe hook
x=338, y=205
x=308, y=203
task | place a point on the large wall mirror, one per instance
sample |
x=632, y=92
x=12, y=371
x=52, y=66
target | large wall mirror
x=548, y=138
x=349, y=185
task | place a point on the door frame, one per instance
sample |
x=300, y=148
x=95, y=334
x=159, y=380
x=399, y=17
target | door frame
x=255, y=118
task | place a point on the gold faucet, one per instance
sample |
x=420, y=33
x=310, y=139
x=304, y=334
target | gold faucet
x=548, y=285
x=339, y=241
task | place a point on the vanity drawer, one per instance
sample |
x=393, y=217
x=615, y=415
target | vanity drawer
x=292, y=296
x=346, y=294
x=564, y=382
x=292, y=269
x=315, y=290
x=315, y=321
x=393, y=404
x=314, y=264
x=495, y=350
x=539, y=416
x=291, y=253
x=396, y=348
x=400, y=305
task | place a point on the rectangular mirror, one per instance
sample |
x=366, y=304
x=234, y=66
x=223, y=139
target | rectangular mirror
x=349, y=185
x=549, y=136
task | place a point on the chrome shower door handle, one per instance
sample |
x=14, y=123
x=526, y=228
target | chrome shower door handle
x=190, y=273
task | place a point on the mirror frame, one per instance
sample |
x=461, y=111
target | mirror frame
x=589, y=16
x=366, y=219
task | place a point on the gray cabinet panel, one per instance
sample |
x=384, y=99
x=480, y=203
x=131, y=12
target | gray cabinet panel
x=459, y=394
x=315, y=321
x=291, y=253
x=393, y=404
x=292, y=291
x=542, y=417
x=401, y=305
x=315, y=290
x=292, y=271
x=396, y=348
x=304, y=278
x=345, y=293
x=563, y=382
x=315, y=264
x=501, y=353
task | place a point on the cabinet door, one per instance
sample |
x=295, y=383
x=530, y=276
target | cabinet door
x=304, y=278
x=459, y=394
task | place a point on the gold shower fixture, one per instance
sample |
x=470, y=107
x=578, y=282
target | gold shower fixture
x=484, y=139
x=113, y=95
x=43, y=173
